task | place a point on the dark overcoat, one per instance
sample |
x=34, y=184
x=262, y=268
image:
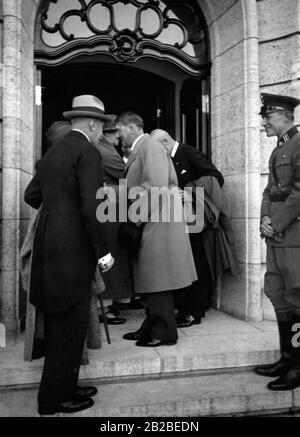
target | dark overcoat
x=68, y=238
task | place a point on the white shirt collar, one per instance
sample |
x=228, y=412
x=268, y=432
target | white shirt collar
x=174, y=149
x=83, y=133
x=135, y=141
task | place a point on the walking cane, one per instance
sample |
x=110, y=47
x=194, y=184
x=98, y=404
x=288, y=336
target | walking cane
x=103, y=314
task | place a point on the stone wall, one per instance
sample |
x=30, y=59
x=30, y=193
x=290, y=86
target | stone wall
x=279, y=60
x=235, y=143
x=1, y=131
x=17, y=148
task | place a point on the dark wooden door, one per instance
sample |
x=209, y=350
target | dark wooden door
x=121, y=89
x=195, y=114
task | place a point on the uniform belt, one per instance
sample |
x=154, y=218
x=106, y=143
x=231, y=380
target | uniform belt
x=279, y=197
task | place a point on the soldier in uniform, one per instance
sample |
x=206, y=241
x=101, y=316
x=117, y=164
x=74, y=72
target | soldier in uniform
x=280, y=226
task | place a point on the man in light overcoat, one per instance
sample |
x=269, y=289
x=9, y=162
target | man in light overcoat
x=165, y=261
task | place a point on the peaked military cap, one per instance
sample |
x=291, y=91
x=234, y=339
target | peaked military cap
x=275, y=102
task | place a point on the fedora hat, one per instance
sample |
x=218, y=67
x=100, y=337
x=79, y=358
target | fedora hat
x=110, y=125
x=86, y=106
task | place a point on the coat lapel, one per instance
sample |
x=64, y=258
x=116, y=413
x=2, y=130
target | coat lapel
x=178, y=152
x=134, y=153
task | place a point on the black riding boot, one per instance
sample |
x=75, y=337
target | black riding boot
x=290, y=379
x=283, y=364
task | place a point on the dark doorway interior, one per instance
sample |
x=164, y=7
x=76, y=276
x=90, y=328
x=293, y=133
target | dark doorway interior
x=120, y=88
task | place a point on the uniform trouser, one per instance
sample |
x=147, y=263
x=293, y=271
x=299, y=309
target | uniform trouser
x=195, y=299
x=65, y=333
x=160, y=322
x=282, y=280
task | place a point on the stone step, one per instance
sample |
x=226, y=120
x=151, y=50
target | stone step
x=220, y=342
x=222, y=393
x=125, y=359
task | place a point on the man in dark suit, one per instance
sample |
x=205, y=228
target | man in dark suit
x=190, y=164
x=68, y=242
x=117, y=282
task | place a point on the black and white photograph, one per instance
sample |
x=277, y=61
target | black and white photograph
x=150, y=211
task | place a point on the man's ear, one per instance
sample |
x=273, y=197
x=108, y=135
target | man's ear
x=92, y=125
x=133, y=128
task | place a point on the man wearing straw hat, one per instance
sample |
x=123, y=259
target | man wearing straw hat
x=68, y=242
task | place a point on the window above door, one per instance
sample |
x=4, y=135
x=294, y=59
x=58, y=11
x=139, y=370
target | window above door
x=127, y=30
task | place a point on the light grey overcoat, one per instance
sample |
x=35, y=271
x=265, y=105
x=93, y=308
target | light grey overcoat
x=165, y=260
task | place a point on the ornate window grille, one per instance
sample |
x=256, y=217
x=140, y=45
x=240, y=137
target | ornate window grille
x=127, y=30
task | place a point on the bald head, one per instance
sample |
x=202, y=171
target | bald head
x=164, y=138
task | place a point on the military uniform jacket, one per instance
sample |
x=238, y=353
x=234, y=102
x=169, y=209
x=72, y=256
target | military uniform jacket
x=281, y=197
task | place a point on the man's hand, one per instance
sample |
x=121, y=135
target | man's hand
x=105, y=266
x=266, y=227
x=185, y=195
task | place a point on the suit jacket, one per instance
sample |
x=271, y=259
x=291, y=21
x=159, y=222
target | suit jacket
x=118, y=280
x=194, y=170
x=165, y=261
x=190, y=164
x=284, y=179
x=112, y=163
x=68, y=238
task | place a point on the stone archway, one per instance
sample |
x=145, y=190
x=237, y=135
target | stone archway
x=235, y=133
x=233, y=27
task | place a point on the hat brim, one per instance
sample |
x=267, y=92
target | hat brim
x=89, y=114
x=110, y=130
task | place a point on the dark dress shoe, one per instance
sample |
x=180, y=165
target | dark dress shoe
x=112, y=318
x=185, y=322
x=66, y=407
x=134, y=304
x=116, y=307
x=276, y=369
x=154, y=343
x=288, y=381
x=133, y=335
x=84, y=392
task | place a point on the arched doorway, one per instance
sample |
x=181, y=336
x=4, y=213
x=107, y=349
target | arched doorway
x=138, y=55
x=233, y=44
